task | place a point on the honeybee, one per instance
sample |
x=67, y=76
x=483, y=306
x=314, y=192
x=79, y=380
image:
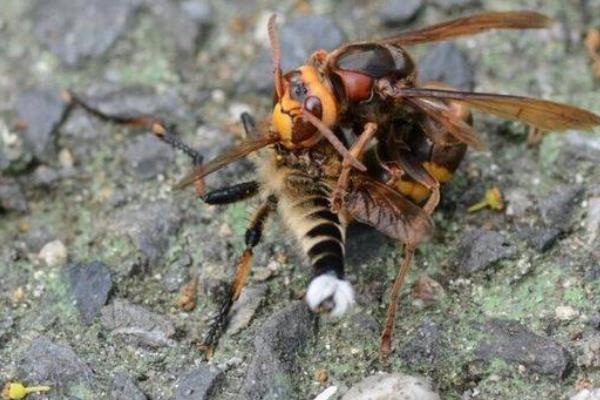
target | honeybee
x=319, y=181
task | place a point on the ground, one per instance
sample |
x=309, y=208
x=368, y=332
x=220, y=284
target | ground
x=506, y=306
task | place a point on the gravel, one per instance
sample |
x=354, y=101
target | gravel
x=123, y=388
x=514, y=343
x=41, y=111
x=149, y=226
x=400, y=12
x=557, y=207
x=479, y=249
x=12, y=197
x=271, y=372
x=447, y=63
x=137, y=325
x=75, y=30
x=54, y=364
x=91, y=284
x=199, y=384
x=392, y=387
x=198, y=63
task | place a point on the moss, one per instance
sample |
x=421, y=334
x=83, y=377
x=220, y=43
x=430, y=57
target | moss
x=575, y=297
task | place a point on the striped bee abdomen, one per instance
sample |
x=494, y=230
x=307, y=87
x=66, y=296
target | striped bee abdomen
x=319, y=231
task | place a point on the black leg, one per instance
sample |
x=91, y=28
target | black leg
x=154, y=124
x=172, y=139
x=249, y=125
x=231, y=194
x=253, y=236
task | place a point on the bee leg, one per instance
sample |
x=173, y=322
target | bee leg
x=357, y=149
x=386, y=336
x=154, y=124
x=249, y=125
x=231, y=194
x=534, y=136
x=252, y=238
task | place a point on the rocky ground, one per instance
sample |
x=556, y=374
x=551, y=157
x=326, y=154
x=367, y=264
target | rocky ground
x=96, y=246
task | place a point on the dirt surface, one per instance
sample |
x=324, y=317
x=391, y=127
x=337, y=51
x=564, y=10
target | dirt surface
x=96, y=245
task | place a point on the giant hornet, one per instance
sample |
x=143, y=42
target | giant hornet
x=354, y=136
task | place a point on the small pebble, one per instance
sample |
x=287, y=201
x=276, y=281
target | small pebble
x=327, y=394
x=593, y=219
x=398, y=12
x=65, y=158
x=321, y=375
x=565, y=313
x=587, y=394
x=53, y=253
x=426, y=291
x=392, y=387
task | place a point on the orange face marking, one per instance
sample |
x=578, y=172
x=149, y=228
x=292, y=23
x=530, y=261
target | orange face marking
x=300, y=85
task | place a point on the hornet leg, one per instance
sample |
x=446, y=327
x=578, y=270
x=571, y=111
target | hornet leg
x=386, y=335
x=253, y=236
x=357, y=149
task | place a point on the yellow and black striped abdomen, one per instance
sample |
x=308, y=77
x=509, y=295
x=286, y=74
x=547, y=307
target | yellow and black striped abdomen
x=305, y=209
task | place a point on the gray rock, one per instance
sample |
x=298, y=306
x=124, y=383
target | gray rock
x=544, y=238
x=245, y=307
x=123, y=388
x=90, y=286
x=193, y=19
x=557, y=207
x=4, y=160
x=78, y=29
x=514, y=343
x=365, y=324
x=84, y=133
x=38, y=235
x=178, y=273
x=594, y=321
x=456, y=5
x=270, y=373
x=519, y=202
x=149, y=226
x=426, y=346
x=200, y=11
x=47, y=177
x=592, y=223
x=42, y=111
x=583, y=147
x=130, y=101
x=137, y=325
x=587, y=394
x=148, y=156
x=392, y=387
x=53, y=364
x=446, y=63
x=6, y=324
x=12, y=197
x=589, y=356
x=200, y=383
x=398, y=12
x=478, y=249
x=303, y=34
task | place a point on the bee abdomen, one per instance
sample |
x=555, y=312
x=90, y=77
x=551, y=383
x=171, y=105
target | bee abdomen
x=322, y=236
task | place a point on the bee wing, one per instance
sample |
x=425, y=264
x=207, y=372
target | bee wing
x=438, y=111
x=543, y=114
x=471, y=25
x=382, y=207
x=231, y=155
